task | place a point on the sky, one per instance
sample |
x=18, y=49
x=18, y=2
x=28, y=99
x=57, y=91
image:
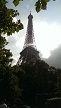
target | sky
x=47, y=31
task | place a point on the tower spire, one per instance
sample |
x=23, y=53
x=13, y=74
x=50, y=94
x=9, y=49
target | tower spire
x=29, y=39
x=29, y=51
x=30, y=12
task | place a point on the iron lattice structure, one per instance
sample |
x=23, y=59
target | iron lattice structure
x=30, y=40
x=29, y=51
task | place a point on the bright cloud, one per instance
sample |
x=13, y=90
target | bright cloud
x=48, y=37
x=15, y=19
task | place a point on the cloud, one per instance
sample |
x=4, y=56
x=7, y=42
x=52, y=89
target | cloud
x=55, y=57
x=14, y=62
x=12, y=45
x=47, y=36
x=15, y=19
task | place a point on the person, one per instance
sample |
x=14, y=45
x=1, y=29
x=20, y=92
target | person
x=3, y=105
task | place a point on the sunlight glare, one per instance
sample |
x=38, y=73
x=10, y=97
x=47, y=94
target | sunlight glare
x=47, y=36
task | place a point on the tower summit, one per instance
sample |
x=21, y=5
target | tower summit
x=29, y=51
x=29, y=40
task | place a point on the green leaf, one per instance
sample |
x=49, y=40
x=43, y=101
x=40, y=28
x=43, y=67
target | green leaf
x=16, y=2
x=43, y=7
x=3, y=2
x=13, y=29
x=38, y=6
x=38, y=9
x=46, y=0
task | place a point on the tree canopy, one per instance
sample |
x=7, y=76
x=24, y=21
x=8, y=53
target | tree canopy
x=7, y=25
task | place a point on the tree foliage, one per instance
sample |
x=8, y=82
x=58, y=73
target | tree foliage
x=9, y=88
x=7, y=25
x=5, y=55
x=31, y=83
x=16, y=2
x=8, y=80
x=39, y=83
x=41, y=4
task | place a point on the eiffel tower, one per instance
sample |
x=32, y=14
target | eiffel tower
x=29, y=51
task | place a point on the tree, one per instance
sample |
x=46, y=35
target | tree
x=8, y=81
x=9, y=88
x=59, y=80
x=41, y=4
x=39, y=83
x=35, y=81
x=7, y=25
x=5, y=55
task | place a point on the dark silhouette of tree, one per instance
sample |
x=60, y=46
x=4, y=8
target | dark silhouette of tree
x=7, y=25
x=39, y=83
x=5, y=55
x=9, y=86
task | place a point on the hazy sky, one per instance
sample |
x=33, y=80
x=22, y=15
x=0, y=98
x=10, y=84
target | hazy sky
x=47, y=30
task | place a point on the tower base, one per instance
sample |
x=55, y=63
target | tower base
x=28, y=54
